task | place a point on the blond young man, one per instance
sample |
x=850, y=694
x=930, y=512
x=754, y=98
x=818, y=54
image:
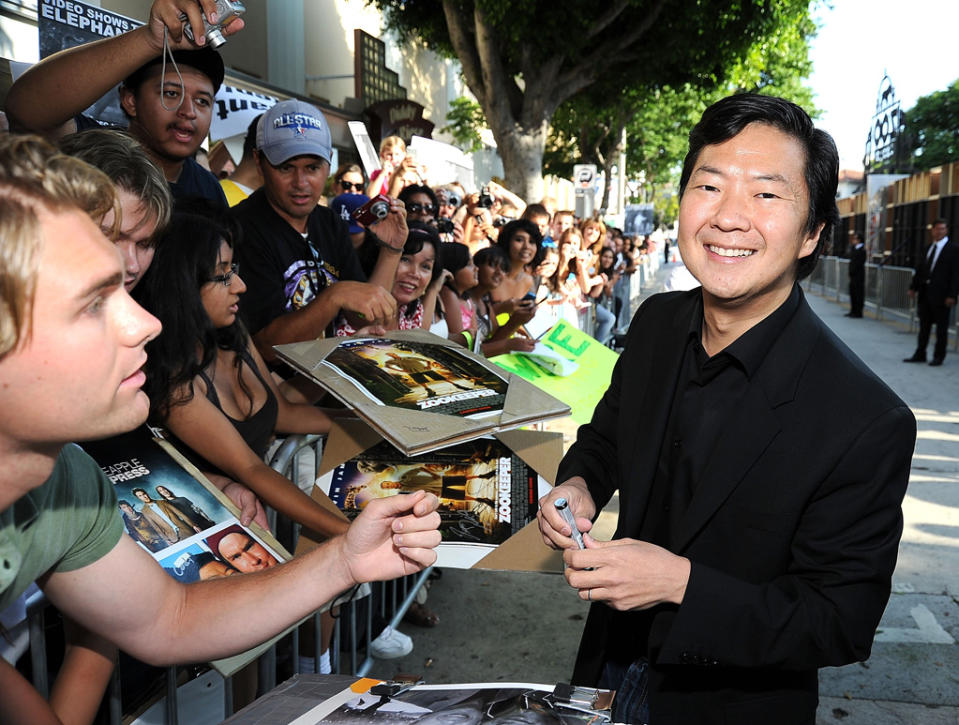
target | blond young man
x=71, y=356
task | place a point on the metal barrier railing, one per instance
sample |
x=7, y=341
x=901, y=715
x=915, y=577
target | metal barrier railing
x=394, y=599
x=886, y=286
x=287, y=460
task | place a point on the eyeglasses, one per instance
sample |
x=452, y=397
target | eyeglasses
x=226, y=279
x=416, y=208
x=349, y=186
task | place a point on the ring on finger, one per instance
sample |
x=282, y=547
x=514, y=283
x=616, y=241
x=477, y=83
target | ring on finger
x=589, y=595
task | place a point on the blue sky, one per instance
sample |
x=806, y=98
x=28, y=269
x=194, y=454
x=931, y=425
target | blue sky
x=914, y=41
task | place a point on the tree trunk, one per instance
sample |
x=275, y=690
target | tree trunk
x=607, y=182
x=522, y=154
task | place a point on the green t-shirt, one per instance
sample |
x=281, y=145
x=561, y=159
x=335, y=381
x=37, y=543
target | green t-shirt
x=68, y=522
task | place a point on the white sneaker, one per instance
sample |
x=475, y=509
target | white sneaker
x=391, y=644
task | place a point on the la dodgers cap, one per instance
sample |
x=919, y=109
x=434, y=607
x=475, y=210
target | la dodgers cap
x=345, y=204
x=293, y=128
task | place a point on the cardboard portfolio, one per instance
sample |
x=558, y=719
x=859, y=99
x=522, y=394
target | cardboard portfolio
x=523, y=551
x=398, y=384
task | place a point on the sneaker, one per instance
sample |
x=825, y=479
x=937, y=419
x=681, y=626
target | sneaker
x=391, y=644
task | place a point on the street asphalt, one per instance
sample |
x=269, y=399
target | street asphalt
x=525, y=627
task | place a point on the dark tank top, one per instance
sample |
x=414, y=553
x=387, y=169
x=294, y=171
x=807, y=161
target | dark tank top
x=257, y=430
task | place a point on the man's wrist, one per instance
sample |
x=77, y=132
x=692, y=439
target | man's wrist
x=382, y=244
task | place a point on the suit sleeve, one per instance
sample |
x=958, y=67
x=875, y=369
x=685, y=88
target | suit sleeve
x=594, y=454
x=953, y=288
x=824, y=610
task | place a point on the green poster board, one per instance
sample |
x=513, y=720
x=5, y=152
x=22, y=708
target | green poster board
x=581, y=390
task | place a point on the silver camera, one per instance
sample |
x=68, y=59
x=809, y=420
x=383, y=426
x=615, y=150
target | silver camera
x=226, y=12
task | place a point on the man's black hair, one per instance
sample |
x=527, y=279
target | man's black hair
x=534, y=210
x=249, y=141
x=205, y=60
x=728, y=117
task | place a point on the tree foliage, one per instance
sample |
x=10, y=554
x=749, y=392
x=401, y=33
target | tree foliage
x=465, y=119
x=523, y=60
x=932, y=128
x=657, y=117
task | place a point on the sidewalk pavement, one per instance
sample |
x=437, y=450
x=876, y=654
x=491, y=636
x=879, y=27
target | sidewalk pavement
x=525, y=627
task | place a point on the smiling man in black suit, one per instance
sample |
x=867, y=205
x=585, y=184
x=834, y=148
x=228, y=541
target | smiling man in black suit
x=761, y=465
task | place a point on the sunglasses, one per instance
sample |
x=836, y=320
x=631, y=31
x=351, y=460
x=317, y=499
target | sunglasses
x=349, y=186
x=416, y=208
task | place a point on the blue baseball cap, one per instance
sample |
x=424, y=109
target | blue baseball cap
x=345, y=204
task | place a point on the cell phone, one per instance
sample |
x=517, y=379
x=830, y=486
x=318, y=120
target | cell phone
x=373, y=211
x=529, y=296
x=562, y=505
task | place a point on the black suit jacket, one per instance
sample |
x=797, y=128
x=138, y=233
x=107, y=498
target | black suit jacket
x=857, y=264
x=792, y=535
x=944, y=280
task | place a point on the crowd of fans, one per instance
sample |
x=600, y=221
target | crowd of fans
x=273, y=255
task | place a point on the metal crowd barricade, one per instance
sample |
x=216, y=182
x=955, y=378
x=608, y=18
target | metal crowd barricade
x=886, y=287
x=394, y=599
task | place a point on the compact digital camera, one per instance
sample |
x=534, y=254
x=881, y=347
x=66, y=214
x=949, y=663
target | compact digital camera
x=373, y=211
x=226, y=12
x=444, y=226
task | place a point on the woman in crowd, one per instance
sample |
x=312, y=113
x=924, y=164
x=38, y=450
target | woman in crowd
x=604, y=295
x=206, y=382
x=492, y=267
x=416, y=287
x=594, y=235
x=457, y=304
x=522, y=242
x=421, y=203
x=565, y=287
x=348, y=179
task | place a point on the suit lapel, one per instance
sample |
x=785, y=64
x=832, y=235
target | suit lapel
x=649, y=418
x=754, y=424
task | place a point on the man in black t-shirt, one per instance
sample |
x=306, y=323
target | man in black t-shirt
x=169, y=112
x=298, y=262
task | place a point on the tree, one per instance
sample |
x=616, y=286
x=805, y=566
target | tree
x=656, y=119
x=523, y=60
x=465, y=121
x=932, y=128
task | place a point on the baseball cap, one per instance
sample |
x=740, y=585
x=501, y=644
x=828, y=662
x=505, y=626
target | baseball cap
x=293, y=128
x=345, y=204
x=205, y=60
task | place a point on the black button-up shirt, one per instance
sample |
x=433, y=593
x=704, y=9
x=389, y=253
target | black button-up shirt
x=707, y=390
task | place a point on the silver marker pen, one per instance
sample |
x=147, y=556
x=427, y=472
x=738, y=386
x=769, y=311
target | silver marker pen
x=562, y=505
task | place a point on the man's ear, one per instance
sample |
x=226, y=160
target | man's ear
x=810, y=242
x=128, y=101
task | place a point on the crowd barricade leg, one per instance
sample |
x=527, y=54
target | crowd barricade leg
x=286, y=460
